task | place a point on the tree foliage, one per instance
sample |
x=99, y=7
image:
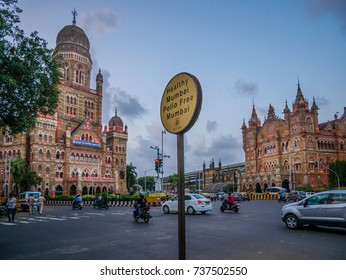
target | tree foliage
x=131, y=175
x=28, y=74
x=339, y=167
x=23, y=179
x=148, y=182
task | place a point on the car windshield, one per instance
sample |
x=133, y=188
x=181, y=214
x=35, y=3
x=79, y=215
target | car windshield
x=198, y=196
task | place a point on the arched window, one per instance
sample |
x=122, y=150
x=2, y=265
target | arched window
x=309, y=125
x=40, y=154
x=67, y=74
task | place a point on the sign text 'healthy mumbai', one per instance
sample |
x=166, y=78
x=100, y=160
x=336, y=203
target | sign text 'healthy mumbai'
x=179, y=102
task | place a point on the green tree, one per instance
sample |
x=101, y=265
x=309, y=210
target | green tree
x=173, y=180
x=131, y=175
x=148, y=182
x=339, y=167
x=18, y=169
x=28, y=74
x=29, y=179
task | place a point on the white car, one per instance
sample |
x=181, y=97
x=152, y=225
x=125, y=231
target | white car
x=308, y=194
x=193, y=203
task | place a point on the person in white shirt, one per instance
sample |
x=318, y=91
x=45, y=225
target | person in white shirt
x=11, y=208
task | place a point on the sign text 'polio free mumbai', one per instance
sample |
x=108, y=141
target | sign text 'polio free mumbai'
x=181, y=103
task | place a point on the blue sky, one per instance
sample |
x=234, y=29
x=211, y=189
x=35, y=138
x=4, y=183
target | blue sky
x=243, y=53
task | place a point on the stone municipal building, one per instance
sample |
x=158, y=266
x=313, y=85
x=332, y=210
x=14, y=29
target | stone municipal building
x=294, y=151
x=70, y=150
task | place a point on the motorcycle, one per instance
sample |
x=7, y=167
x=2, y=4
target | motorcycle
x=100, y=204
x=283, y=199
x=77, y=205
x=225, y=206
x=143, y=214
x=3, y=210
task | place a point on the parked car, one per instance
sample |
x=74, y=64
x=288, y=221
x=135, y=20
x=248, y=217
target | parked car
x=237, y=197
x=324, y=208
x=193, y=203
x=275, y=190
x=296, y=196
x=240, y=196
x=308, y=194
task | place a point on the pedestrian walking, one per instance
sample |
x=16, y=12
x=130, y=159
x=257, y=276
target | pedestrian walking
x=31, y=201
x=11, y=208
x=40, y=201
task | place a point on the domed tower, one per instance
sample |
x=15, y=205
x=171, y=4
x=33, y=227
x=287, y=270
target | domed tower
x=117, y=137
x=116, y=124
x=73, y=45
x=77, y=101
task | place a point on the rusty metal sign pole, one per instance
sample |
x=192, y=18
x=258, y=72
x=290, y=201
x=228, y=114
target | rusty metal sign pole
x=181, y=197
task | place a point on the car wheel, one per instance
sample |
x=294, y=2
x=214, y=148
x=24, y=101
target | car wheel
x=190, y=210
x=166, y=209
x=292, y=222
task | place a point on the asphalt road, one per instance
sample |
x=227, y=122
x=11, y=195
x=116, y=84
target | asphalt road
x=256, y=232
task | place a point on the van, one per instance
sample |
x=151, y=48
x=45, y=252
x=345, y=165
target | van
x=23, y=200
x=275, y=190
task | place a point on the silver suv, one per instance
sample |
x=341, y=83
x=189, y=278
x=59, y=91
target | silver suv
x=323, y=208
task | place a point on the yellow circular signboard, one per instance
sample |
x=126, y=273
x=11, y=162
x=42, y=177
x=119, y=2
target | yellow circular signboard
x=181, y=103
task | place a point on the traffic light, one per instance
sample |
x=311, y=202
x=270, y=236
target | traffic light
x=157, y=165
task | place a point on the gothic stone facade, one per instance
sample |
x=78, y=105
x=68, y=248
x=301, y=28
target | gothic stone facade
x=70, y=150
x=291, y=152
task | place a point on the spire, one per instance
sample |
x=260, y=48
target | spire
x=314, y=105
x=74, y=14
x=254, y=117
x=286, y=110
x=299, y=92
x=244, y=125
x=300, y=103
x=271, y=112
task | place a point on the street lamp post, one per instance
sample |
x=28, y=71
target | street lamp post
x=337, y=176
